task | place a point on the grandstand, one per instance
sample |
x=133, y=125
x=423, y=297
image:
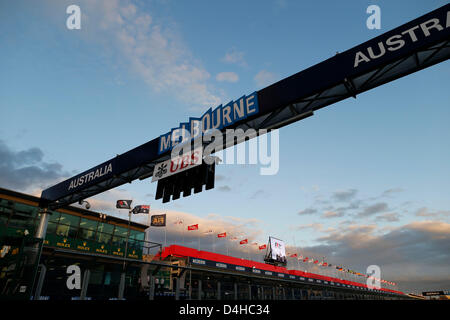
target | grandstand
x=236, y=278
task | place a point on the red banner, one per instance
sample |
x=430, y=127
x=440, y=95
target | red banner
x=243, y=241
x=262, y=247
x=193, y=227
x=222, y=235
x=293, y=255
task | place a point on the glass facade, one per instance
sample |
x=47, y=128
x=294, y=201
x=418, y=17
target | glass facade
x=71, y=231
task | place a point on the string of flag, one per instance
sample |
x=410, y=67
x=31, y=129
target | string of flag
x=322, y=263
x=245, y=241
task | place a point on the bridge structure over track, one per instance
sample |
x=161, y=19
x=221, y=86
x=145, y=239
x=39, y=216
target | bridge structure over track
x=413, y=46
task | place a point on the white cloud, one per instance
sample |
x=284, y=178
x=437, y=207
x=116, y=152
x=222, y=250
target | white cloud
x=227, y=76
x=425, y=212
x=235, y=57
x=265, y=78
x=389, y=217
x=150, y=49
x=314, y=226
x=332, y=214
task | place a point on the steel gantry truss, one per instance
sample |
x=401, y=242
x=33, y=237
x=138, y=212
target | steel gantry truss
x=294, y=98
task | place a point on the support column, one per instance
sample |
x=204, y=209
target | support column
x=34, y=255
x=249, y=292
x=151, y=293
x=235, y=291
x=40, y=233
x=177, y=288
x=199, y=289
x=218, y=291
x=190, y=284
x=121, y=285
x=274, y=293
x=41, y=230
x=293, y=293
x=40, y=283
x=84, y=286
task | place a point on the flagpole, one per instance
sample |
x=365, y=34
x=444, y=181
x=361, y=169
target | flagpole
x=248, y=252
x=253, y=254
x=182, y=231
x=295, y=246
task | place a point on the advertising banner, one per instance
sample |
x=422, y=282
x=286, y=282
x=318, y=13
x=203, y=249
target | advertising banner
x=178, y=164
x=278, y=250
x=158, y=220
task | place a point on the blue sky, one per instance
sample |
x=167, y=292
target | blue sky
x=138, y=68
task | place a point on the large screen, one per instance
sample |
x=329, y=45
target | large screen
x=278, y=250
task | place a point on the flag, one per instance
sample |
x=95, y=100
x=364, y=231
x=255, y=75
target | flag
x=316, y=261
x=325, y=264
x=209, y=231
x=222, y=235
x=245, y=241
x=178, y=222
x=300, y=257
x=193, y=227
x=123, y=204
x=311, y=260
x=262, y=247
x=158, y=220
x=255, y=243
x=141, y=209
x=233, y=238
x=293, y=255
